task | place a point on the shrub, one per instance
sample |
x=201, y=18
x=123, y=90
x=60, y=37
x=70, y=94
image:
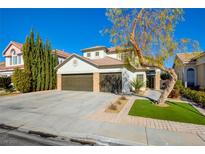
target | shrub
x=5, y=82
x=196, y=96
x=21, y=80
x=119, y=102
x=165, y=76
x=175, y=93
x=137, y=84
x=123, y=98
x=113, y=107
x=178, y=85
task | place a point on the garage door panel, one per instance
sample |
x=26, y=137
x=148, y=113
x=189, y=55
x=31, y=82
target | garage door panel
x=111, y=82
x=77, y=82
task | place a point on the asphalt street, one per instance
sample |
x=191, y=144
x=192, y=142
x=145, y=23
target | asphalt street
x=15, y=138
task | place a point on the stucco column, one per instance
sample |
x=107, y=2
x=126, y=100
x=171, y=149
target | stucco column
x=96, y=82
x=59, y=82
x=157, y=81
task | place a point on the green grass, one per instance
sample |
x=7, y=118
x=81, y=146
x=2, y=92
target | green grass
x=180, y=112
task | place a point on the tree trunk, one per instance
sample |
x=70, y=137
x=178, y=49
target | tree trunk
x=169, y=88
x=143, y=62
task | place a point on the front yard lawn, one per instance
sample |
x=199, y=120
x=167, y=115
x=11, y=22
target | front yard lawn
x=180, y=112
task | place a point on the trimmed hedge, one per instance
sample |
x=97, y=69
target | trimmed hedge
x=194, y=95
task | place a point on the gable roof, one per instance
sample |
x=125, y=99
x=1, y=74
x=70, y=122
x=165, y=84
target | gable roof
x=187, y=57
x=60, y=53
x=16, y=44
x=102, y=62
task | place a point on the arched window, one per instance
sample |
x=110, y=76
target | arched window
x=190, y=77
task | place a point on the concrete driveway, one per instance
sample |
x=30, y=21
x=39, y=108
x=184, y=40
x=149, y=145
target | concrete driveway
x=64, y=104
x=63, y=113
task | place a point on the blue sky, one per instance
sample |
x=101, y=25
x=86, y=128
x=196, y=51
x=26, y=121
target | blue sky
x=74, y=29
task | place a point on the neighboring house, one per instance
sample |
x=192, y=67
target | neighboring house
x=14, y=58
x=190, y=68
x=102, y=69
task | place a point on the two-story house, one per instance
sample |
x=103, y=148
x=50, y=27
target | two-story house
x=14, y=58
x=103, y=69
x=190, y=69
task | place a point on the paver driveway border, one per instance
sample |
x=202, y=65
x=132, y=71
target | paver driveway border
x=123, y=118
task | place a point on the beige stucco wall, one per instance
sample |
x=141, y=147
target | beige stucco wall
x=157, y=81
x=59, y=82
x=96, y=82
x=201, y=75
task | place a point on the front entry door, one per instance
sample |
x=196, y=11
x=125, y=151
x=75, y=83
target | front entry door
x=150, y=78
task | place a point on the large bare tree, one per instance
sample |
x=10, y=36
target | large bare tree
x=150, y=34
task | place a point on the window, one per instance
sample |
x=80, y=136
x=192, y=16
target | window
x=140, y=77
x=96, y=53
x=88, y=54
x=10, y=60
x=14, y=57
x=14, y=60
x=19, y=59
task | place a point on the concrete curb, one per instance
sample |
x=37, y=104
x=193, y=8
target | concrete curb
x=56, y=140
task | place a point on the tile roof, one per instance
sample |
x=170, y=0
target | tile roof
x=61, y=53
x=10, y=68
x=199, y=55
x=107, y=61
x=102, y=62
x=2, y=64
x=187, y=57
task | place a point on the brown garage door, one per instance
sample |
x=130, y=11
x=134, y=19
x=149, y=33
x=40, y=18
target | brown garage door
x=78, y=82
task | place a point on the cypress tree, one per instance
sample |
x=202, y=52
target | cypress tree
x=55, y=63
x=47, y=67
x=43, y=72
x=26, y=57
x=32, y=62
x=39, y=63
x=51, y=69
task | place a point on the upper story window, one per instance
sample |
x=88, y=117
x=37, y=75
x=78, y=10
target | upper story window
x=14, y=57
x=19, y=59
x=96, y=53
x=88, y=54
